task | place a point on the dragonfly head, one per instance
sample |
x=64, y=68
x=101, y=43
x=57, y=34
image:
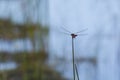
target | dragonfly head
x=73, y=35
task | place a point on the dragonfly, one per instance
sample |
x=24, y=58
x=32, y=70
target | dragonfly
x=74, y=35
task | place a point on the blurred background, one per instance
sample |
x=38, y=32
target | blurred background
x=34, y=44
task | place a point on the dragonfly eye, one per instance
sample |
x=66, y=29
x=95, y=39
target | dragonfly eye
x=72, y=34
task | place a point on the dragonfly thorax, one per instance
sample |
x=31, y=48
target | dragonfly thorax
x=73, y=35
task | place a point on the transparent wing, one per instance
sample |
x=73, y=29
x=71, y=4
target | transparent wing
x=66, y=30
x=82, y=34
x=82, y=31
x=61, y=32
x=65, y=33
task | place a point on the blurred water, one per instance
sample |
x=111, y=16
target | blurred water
x=101, y=17
x=7, y=66
x=17, y=45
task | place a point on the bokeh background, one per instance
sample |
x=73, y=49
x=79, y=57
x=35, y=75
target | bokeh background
x=34, y=44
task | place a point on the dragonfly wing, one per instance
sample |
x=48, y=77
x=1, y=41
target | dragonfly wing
x=82, y=34
x=60, y=31
x=66, y=30
x=65, y=33
x=82, y=31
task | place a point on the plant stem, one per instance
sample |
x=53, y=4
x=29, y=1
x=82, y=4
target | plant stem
x=77, y=71
x=73, y=58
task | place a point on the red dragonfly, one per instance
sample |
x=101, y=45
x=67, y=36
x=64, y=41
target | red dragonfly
x=74, y=35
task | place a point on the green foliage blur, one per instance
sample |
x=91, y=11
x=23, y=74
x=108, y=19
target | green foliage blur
x=30, y=65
